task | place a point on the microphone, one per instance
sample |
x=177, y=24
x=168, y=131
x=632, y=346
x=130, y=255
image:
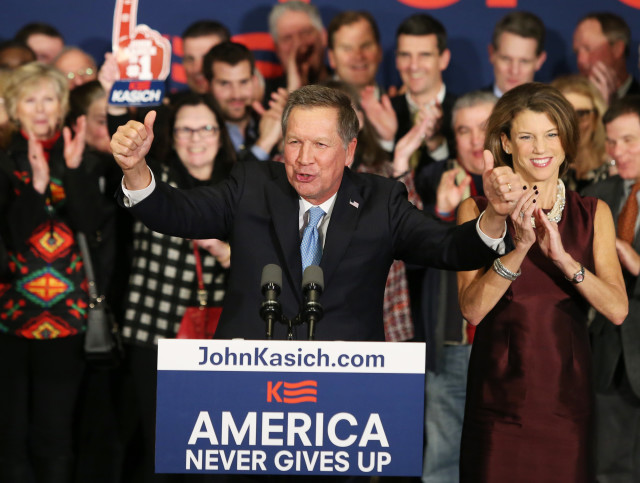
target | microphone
x=312, y=287
x=271, y=310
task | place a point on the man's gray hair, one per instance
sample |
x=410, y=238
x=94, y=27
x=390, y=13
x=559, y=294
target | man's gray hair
x=472, y=99
x=312, y=96
x=293, y=6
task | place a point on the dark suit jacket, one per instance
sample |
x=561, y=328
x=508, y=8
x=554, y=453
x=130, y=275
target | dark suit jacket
x=405, y=123
x=436, y=308
x=610, y=343
x=634, y=88
x=372, y=223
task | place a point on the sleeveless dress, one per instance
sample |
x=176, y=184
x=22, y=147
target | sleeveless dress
x=528, y=415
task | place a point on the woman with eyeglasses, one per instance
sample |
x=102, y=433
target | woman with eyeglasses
x=591, y=163
x=163, y=280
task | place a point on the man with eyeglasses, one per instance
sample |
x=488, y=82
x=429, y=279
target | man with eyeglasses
x=77, y=66
x=230, y=69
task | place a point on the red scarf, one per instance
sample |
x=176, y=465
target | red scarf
x=47, y=144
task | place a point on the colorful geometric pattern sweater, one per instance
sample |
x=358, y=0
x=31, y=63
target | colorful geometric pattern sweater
x=44, y=295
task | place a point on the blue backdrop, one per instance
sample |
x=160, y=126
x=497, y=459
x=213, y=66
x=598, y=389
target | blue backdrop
x=469, y=23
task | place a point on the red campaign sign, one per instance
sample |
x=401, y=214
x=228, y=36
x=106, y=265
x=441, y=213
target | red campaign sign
x=141, y=53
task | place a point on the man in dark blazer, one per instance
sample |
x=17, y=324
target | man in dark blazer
x=616, y=349
x=421, y=57
x=262, y=210
x=516, y=51
x=602, y=44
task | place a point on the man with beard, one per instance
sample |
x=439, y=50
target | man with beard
x=229, y=68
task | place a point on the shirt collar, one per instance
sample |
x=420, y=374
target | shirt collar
x=413, y=106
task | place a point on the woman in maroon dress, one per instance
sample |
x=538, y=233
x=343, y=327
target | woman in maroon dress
x=529, y=399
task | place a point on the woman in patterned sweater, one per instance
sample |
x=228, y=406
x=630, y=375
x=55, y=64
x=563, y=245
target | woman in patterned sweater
x=46, y=195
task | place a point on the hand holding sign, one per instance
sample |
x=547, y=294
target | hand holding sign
x=143, y=56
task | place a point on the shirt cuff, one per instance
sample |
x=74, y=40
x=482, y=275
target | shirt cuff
x=441, y=152
x=388, y=146
x=133, y=197
x=496, y=244
x=259, y=153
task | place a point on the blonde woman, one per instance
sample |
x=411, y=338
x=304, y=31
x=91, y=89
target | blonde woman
x=591, y=163
x=45, y=196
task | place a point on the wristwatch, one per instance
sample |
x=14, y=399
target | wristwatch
x=578, y=276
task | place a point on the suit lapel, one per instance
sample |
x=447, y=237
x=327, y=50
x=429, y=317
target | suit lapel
x=344, y=219
x=282, y=203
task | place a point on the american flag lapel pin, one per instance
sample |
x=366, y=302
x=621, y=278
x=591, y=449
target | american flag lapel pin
x=355, y=204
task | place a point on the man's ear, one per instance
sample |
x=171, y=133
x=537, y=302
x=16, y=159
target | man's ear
x=617, y=48
x=332, y=59
x=540, y=60
x=445, y=58
x=351, y=151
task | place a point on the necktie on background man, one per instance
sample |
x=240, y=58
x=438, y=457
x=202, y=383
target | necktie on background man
x=311, y=247
x=629, y=215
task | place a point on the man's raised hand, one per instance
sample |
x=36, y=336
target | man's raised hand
x=130, y=144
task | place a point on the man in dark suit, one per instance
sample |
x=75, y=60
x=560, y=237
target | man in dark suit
x=616, y=349
x=263, y=209
x=516, y=51
x=601, y=42
x=421, y=57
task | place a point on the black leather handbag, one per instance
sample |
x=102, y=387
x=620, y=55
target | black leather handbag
x=102, y=343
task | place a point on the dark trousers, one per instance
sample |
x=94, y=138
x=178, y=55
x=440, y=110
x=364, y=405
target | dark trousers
x=137, y=416
x=618, y=432
x=39, y=386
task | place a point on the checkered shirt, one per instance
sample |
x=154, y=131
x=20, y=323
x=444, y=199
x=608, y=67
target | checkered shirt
x=163, y=283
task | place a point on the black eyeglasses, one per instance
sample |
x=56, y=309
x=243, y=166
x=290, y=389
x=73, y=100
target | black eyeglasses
x=582, y=113
x=204, y=132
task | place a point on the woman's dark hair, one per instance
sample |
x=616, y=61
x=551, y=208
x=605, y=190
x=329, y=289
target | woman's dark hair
x=535, y=97
x=226, y=153
x=81, y=98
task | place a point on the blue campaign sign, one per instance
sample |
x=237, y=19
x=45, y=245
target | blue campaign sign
x=285, y=407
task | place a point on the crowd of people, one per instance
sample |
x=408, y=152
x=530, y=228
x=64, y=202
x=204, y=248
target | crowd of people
x=528, y=190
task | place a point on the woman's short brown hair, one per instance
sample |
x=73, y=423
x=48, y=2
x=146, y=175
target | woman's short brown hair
x=535, y=97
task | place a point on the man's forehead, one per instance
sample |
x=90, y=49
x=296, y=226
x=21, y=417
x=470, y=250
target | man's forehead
x=223, y=69
x=207, y=41
x=414, y=42
x=590, y=30
x=624, y=124
x=328, y=116
x=291, y=21
x=509, y=39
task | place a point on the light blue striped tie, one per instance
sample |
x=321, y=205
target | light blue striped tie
x=311, y=247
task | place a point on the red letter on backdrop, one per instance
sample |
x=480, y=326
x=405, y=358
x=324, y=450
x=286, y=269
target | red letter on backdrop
x=433, y=4
x=502, y=3
x=429, y=4
x=632, y=3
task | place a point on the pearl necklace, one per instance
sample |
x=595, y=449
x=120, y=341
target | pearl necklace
x=555, y=215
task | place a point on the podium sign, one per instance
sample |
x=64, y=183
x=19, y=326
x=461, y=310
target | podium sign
x=290, y=407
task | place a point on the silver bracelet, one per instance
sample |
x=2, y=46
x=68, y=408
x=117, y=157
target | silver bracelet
x=503, y=271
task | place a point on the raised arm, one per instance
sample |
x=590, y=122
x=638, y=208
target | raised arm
x=605, y=289
x=480, y=290
x=130, y=144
